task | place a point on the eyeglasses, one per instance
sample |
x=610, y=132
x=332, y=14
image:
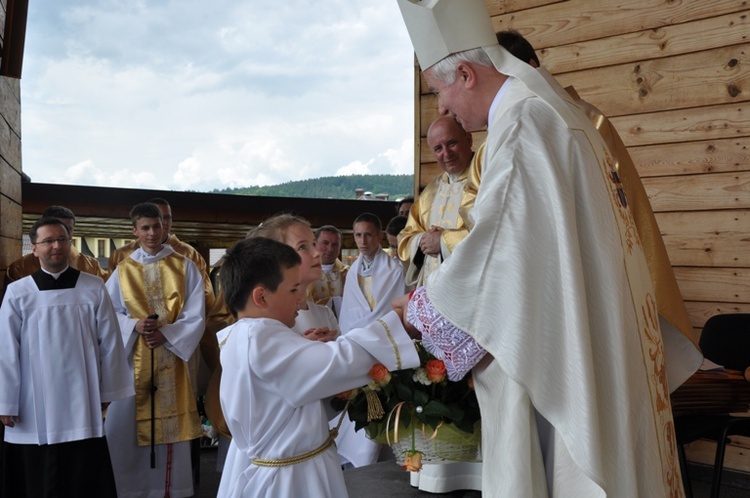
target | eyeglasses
x=48, y=242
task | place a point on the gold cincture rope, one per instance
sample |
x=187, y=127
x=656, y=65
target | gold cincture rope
x=283, y=462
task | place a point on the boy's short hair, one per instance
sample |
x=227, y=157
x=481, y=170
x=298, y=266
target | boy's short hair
x=369, y=218
x=145, y=210
x=252, y=262
x=42, y=222
x=60, y=212
x=396, y=224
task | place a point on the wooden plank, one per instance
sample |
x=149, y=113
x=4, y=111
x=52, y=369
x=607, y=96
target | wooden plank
x=10, y=103
x=704, y=451
x=706, y=238
x=710, y=156
x=10, y=250
x=728, y=285
x=685, y=125
x=10, y=181
x=497, y=7
x=429, y=105
x=417, y=129
x=697, y=79
x=10, y=213
x=430, y=171
x=666, y=41
x=700, y=311
x=699, y=192
x=569, y=22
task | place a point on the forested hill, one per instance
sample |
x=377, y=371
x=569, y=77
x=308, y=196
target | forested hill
x=334, y=187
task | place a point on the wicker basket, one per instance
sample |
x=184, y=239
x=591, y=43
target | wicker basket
x=449, y=445
x=712, y=392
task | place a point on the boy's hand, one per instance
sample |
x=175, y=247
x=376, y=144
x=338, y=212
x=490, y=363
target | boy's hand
x=400, y=304
x=321, y=334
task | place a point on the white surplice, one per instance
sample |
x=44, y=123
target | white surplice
x=387, y=283
x=273, y=391
x=315, y=316
x=552, y=282
x=60, y=358
x=131, y=462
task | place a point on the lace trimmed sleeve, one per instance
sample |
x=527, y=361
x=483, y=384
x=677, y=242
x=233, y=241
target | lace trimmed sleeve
x=458, y=350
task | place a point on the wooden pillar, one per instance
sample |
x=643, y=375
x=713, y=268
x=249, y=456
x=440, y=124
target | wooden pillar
x=10, y=168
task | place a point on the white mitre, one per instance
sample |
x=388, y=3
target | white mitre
x=439, y=28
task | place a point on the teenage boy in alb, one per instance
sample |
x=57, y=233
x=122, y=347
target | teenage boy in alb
x=158, y=297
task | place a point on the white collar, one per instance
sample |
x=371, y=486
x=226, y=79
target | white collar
x=496, y=101
x=55, y=275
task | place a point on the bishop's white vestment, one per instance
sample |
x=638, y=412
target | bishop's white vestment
x=553, y=283
x=273, y=394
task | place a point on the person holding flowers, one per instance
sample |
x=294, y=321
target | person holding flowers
x=275, y=381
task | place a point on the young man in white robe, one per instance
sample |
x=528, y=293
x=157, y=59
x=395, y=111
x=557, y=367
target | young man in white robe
x=549, y=298
x=158, y=297
x=276, y=384
x=373, y=281
x=61, y=363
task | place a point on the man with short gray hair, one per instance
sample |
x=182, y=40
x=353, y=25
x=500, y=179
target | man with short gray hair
x=551, y=282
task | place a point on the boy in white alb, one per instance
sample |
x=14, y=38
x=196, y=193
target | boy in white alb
x=275, y=382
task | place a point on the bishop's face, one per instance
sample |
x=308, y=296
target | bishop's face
x=455, y=99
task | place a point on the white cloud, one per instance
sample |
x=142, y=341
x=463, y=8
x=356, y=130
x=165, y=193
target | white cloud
x=178, y=95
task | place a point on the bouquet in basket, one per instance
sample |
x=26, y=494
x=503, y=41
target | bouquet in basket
x=416, y=404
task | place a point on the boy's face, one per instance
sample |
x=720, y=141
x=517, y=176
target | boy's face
x=286, y=300
x=150, y=234
x=367, y=237
x=393, y=245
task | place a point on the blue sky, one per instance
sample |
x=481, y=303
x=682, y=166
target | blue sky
x=189, y=95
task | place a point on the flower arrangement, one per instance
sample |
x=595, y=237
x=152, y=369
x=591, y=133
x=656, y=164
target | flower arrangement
x=397, y=404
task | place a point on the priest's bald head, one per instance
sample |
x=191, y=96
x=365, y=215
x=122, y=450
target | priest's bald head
x=463, y=63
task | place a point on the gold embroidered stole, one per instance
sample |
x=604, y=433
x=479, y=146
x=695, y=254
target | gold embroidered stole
x=159, y=288
x=644, y=304
x=365, y=285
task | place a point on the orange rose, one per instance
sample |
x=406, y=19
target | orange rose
x=435, y=370
x=380, y=374
x=346, y=394
x=413, y=461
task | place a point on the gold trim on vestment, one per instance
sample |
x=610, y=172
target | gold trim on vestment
x=396, y=351
x=159, y=288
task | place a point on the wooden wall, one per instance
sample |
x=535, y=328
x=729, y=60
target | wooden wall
x=10, y=168
x=674, y=77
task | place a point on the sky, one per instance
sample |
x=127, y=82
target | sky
x=196, y=95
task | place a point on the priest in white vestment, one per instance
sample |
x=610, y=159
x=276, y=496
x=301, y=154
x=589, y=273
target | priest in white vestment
x=551, y=283
x=435, y=225
x=158, y=297
x=61, y=363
